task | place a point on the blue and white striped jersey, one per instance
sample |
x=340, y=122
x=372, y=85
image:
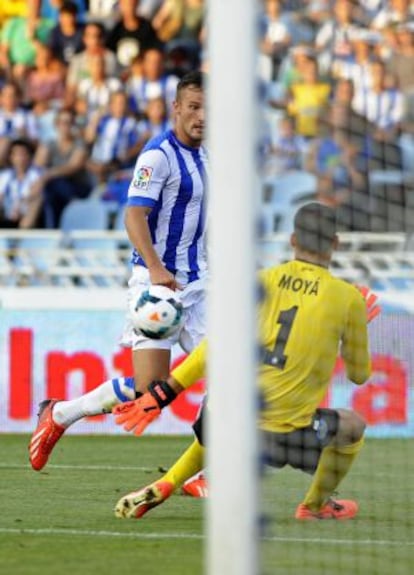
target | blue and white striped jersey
x=171, y=179
x=113, y=138
x=18, y=124
x=15, y=193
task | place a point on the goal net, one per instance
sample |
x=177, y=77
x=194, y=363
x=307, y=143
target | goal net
x=337, y=105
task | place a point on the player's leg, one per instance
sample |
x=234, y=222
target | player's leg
x=56, y=416
x=196, y=485
x=137, y=503
x=192, y=333
x=150, y=364
x=333, y=465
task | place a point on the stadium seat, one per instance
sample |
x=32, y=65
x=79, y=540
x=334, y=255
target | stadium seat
x=292, y=188
x=386, y=177
x=89, y=214
x=119, y=223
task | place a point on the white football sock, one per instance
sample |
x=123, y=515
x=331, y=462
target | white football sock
x=100, y=400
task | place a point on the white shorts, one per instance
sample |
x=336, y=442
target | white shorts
x=193, y=298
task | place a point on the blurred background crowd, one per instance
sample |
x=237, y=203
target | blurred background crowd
x=84, y=85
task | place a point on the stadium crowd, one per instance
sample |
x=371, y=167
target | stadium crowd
x=84, y=84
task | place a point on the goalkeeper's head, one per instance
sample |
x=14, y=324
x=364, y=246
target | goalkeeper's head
x=315, y=232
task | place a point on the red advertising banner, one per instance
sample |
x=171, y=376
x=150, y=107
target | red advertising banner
x=64, y=354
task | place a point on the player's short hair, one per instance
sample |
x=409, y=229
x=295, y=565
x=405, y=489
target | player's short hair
x=315, y=227
x=193, y=79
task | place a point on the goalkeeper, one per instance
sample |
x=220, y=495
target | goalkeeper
x=306, y=315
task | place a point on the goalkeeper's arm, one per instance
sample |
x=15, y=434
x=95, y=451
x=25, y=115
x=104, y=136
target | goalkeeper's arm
x=137, y=415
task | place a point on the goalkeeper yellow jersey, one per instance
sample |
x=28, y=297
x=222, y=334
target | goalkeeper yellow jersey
x=306, y=317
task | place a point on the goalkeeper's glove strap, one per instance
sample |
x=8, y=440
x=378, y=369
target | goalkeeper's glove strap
x=162, y=393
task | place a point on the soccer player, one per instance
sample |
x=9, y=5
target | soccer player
x=165, y=222
x=306, y=315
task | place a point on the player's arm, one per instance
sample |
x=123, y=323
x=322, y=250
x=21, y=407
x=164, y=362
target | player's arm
x=137, y=415
x=355, y=344
x=150, y=175
x=136, y=223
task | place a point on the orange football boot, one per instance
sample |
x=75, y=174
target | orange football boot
x=45, y=436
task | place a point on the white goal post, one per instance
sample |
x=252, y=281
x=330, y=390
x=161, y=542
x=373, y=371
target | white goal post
x=232, y=453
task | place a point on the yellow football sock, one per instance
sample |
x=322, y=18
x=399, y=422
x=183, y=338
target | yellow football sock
x=190, y=462
x=334, y=464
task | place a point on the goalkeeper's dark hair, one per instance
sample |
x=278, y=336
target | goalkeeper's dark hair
x=193, y=79
x=315, y=227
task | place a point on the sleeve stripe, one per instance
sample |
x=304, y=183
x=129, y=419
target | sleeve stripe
x=140, y=201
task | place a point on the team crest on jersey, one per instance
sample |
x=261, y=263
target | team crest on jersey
x=142, y=178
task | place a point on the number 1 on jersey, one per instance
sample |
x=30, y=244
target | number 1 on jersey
x=277, y=357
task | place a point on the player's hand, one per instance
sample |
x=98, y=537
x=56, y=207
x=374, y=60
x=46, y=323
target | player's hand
x=137, y=415
x=373, y=309
x=159, y=275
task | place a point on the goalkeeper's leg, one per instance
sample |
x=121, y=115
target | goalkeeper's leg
x=335, y=462
x=136, y=504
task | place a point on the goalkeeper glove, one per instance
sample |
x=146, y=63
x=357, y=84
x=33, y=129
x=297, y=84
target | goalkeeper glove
x=137, y=415
x=371, y=300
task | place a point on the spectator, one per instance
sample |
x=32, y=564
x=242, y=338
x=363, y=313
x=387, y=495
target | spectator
x=153, y=124
x=367, y=10
x=19, y=206
x=357, y=67
x=64, y=175
x=401, y=63
x=102, y=11
x=11, y=9
x=19, y=38
x=342, y=116
x=307, y=99
x=288, y=148
x=15, y=121
x=94, y=93
x=274, y=40
x=66, y=36
x=45, y=82
x=302, y=18
x=151, y=79
x=333, y=160
x=155, y=121
x=180, y=20
x=114, y=140
x=376, y=153
x=406, y=140
x=293, y=67
x=388, y=45
x=148, y=8
x=19, y=8
x=393, y=12
x=79, y=68
x=334, y=38
x=381, y=104
x=50, y=8
x=131, y=34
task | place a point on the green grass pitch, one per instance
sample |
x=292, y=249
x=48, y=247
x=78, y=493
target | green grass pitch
x=60, y=521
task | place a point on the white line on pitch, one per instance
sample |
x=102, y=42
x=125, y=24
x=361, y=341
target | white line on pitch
x=87, y=533
x=80, y=467
x=140, y=535
x=148, y=469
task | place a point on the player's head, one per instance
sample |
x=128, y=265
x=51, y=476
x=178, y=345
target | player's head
x=315, y=230
x=189, y=109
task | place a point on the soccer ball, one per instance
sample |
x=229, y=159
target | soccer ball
x=157, y=313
